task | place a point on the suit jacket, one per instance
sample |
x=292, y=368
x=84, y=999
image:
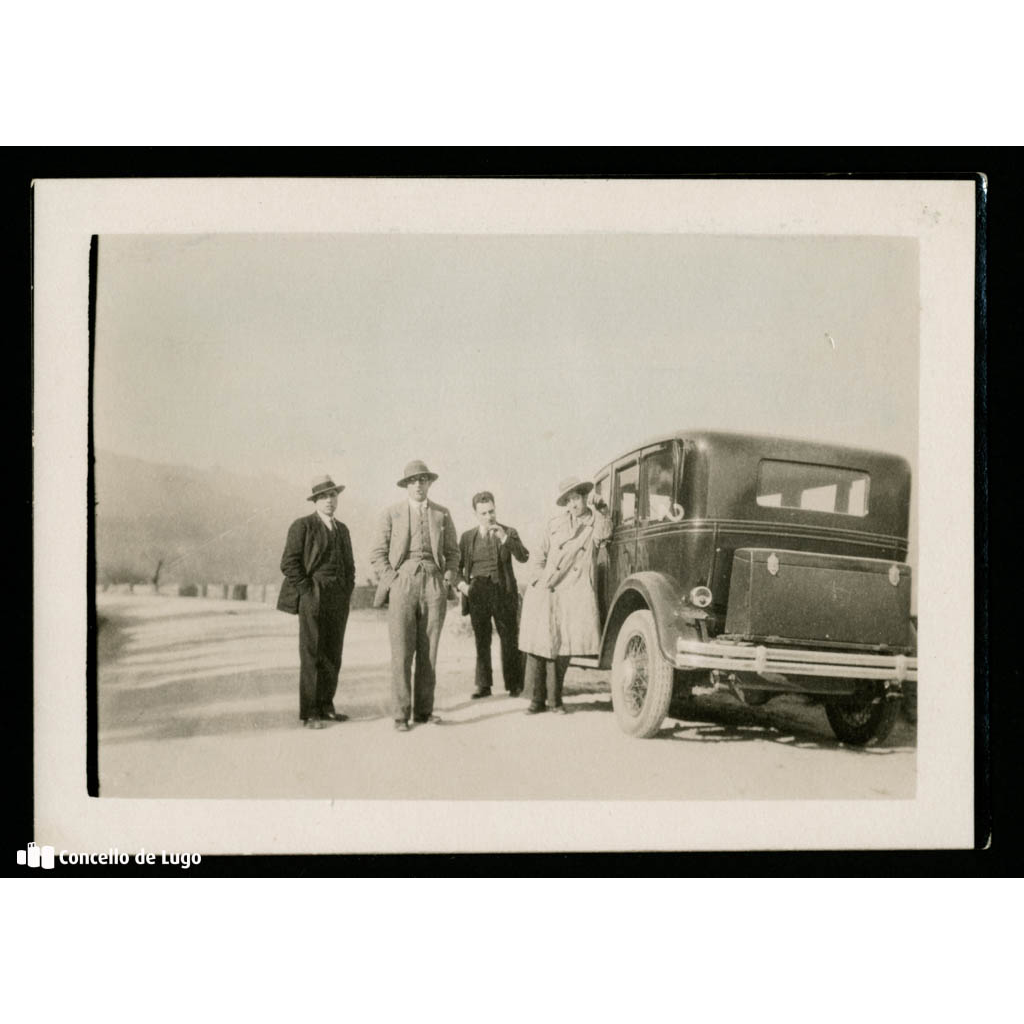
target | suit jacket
x=391, y=544
x=305, y=550
x=506, y=574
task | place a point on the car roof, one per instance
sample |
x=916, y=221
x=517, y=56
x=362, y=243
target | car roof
x=725, y=441
x=724, y=468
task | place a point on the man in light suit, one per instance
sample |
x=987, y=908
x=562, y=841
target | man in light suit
x=416, y=556
x=319, y=574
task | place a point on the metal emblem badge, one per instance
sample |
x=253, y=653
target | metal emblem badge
x=894, y=575
x=773, y=564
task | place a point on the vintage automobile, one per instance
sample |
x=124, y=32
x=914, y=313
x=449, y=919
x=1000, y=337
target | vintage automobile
x=760, y=565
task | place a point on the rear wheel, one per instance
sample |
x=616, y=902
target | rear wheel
x=754, y=698
x=863, y=719
x=641, y=679
x=909, y=702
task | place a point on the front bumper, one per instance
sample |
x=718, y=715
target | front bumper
x=695, y=654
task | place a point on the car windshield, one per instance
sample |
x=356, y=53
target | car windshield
x=814, y=488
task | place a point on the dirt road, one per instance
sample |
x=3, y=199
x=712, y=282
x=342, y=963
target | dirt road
x=199, y=698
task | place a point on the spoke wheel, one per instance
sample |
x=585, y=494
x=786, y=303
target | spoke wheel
x=635, y=675
x=641, y=681
x=864, y=719
x=754, y=698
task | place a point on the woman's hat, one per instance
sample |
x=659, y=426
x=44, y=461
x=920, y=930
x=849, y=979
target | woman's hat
x=324, y=485
x=571, y=484
x=415, y=468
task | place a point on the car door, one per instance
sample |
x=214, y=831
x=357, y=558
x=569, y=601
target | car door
x=625, y=512
x=602, y=493
x=657, y=542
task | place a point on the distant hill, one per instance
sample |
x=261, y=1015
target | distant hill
x=205, y=525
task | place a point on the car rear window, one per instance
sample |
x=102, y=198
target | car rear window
x=814, y=488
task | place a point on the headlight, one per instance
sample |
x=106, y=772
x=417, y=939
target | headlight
x=700, y=597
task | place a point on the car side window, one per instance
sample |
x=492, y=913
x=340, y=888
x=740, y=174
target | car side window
x=626, y=481
x=601, y=490
x=659, y=481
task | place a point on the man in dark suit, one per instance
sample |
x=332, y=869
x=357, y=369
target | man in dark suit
x=487, y=583
x=319, y=574
x=416, y=556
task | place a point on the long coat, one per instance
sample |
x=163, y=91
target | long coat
x=307, y=547
x=560, y=614
x=391, y=544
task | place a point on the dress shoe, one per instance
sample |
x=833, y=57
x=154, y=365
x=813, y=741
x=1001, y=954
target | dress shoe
x=429, y=720
x=535, y=709
x=515, y=691
x=477, y=694
x=402, y=727
x=560, y=709
x=314, y=723
x=334, y=716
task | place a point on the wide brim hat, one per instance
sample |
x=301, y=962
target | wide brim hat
x=571, y=484
x=322, y=486
x=415, y=468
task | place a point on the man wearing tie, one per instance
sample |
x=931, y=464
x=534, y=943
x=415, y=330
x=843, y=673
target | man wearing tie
x=489, y=591
x=319, y=574
x=416, y=556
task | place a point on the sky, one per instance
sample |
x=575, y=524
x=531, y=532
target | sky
x=504, y=362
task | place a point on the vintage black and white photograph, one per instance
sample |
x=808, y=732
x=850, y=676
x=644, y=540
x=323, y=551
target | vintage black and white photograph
x=511, y=515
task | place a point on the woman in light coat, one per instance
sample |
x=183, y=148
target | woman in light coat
x=560, y=617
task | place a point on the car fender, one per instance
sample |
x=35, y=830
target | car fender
x=674, y=616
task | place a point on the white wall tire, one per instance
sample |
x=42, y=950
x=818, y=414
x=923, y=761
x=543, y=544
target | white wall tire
x=641, y=679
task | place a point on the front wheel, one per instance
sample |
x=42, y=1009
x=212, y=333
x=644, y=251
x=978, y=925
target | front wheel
x=641, y=680
x=863, y=719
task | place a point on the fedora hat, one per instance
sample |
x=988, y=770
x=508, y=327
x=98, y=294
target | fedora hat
x=415, y=468
x=322, y=486
x=570, y=484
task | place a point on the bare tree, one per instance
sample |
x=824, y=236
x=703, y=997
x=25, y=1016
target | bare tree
x=118, y=573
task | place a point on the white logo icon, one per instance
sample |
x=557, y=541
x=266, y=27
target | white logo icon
x=37, y=856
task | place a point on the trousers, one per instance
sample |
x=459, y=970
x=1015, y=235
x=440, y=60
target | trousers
x=417, y=603
x=536, y=679
x=323, y=615
x=488, y=600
